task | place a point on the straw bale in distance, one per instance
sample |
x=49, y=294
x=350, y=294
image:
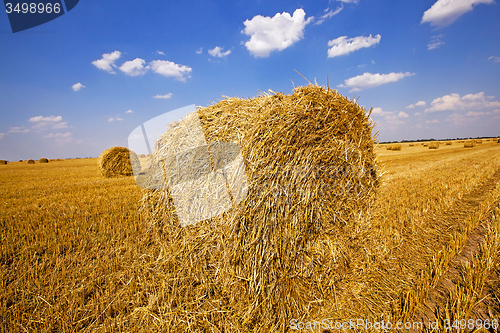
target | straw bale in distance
x=479, y=141
x=448, y=143
x=43, y=160
x=31, y=162
x=311, y=176
x=411, y=144
x=434, y=145
x=3, y=162
x=498, y=140
x=469, y=143
x=117, y=162
x=396, y=146
x=425, y=144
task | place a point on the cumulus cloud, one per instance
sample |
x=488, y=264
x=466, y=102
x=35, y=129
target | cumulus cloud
x=2, y=135
x=199, y=51
x=419, y=103
x=107, y=62
x=435, y=42
x=343, y=45
x=369, y=80
x=51, y=122
x=160, y=52
x=170, y=69
x=134, y=67
x=217, y=52
x=445, y=12
x=129, y=111
x=59, y=135
x=77, y=86
x=166, y=96
x=269, y=34
x=18, y=129
x=433, y=121
x=329, y=13
x=494, y=58
x=392, y=118
x=455, y=102
x=114, y=119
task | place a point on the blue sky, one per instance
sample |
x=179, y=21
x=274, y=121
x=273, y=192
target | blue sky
x=81, y=83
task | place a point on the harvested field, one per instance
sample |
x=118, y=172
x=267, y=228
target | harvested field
x=76, y=254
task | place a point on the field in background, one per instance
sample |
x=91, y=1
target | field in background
x=76, y=255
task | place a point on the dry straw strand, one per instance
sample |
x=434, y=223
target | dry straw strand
x=311, y=176
x=116, y=162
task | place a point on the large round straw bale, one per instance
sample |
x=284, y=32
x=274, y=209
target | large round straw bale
x=116, y=162
x=3, y=162
x=31, y=161
x=43, y=160
x=311, y=178
x=479, y=141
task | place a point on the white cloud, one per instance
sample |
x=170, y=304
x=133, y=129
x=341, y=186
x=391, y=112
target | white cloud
x=115, y=119
x=59, y=135
x=217, y=52
x=78, y=86
x=18, y=129
x=329, y=13
x=134, y=67
x=369, y=80
x=2, y=135
x=166, y=96
x=445, y=12
x=199, y=51
x=169, y=68
x=419, y=103
x=129, y=111
x=469, y=101
x=349, y=1
x=51, y=122
x=392, y=118
x=434, y=121
x=435, y=42
x=276, y=33
x=343, y=45
x=494, y=58
x=160, y=52
x=107, y=62
x=417, y=114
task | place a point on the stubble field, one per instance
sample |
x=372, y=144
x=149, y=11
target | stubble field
x=76, y=255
